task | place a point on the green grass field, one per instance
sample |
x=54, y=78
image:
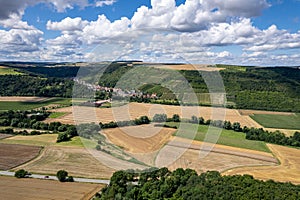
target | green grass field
x=10, y=105
x=56, y=115
x=278, y=121
x=49, y=139
x=78, y=142
x=227, y=137
x=8, y=71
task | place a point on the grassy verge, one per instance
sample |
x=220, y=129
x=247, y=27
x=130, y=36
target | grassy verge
x=227, y=137
x=278, y=121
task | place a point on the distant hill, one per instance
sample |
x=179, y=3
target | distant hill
x=247, y=87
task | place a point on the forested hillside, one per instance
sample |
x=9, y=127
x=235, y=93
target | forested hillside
x=23, y=85
x=269, y=88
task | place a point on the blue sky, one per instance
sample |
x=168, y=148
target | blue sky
x=252, y=32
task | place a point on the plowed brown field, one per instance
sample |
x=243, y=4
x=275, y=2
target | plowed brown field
x=12, y=155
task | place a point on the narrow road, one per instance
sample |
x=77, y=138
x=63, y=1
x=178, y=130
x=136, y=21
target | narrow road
x=45, y=177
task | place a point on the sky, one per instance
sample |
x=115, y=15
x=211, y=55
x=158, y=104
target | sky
x=244, y=32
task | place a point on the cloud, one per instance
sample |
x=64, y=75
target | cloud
x=67, y=24
x=16, y=41
x=194, y=15
x=102, y=3
x=17, y=7
x=198, y=31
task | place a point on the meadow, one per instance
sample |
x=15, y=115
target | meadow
x=278, y=121
x=227, y=137
x=13, y=105
x=8, y=71
x=48, y=140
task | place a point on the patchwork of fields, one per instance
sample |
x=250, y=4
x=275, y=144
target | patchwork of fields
x=278, y=121
x=77, y=161
x=154, y=146
x=81, y=114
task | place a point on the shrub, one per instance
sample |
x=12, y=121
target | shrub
x=62, y=175
x=21, y=173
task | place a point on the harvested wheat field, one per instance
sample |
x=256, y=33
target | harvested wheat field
x=81, y=114
x=191, y=154
x=12, y=155
x=32, y=189
x=23, y=99
x=139, y=139
x=201, y=67
x=36, y=140
x=77, y=161
x=287, y=171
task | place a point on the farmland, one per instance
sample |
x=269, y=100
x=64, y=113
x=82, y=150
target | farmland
x=35, y=140
x=227, y=137
x=8, y=71
x=12, y=188
x=220, y=158
x=2, y=136
x=76, y=160
x=134, y=110
x=31, y=103
x=287, y=171
x=278, y=121
x=56, y=114
x=48, y=139
x=146, y=146
x=12, y=155
x=141, y=139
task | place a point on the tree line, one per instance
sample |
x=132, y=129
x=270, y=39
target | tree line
x=34, y=120
x=182, y=184
x=252, y=133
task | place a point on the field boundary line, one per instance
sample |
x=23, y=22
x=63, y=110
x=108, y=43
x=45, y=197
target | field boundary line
x=229, y=152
